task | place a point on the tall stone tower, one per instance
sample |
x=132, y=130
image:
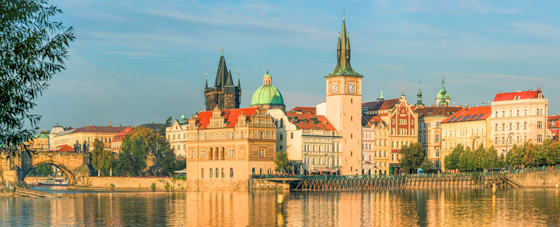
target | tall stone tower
x=344, y=106
x=224, y=94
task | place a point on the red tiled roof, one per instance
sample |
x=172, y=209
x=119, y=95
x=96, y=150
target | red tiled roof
x=370, y=120
x=119, y=136
x=64, y=148
x=470, y=114
x=311, y=110
x=306, y=121
x=553, y=117
x=99, y=129
x=516, y=95
x=230, y=116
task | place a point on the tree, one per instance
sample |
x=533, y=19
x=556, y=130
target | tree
x=32, y=50
x=414, y=157
x=452, y=160
x=43, y=169
x=281, y=162
x=168, y=123
x=516, y=156
x=101, y=160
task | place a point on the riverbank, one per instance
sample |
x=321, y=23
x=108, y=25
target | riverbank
x=6, y=191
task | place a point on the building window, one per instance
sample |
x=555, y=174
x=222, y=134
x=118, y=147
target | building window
x=280, y=136
x=503, y=126
x=510, y=113
x=202, y=154
x=437, y=138
x=217, y=173
x=211, y=173
x=539, y=124
x=261, y=153
x=538, y=112
x=539, y=138
x=202, y=173
x=192, y=154
x=525, y=112
x=496, y=114
x=231, y=153
x=291, y=135
x=518, y=113
x=504, y=113
x=517, y=125
x=510, y=126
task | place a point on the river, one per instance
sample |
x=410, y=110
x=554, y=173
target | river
x=511, y=207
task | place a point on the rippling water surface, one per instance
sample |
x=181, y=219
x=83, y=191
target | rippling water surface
x=513, y=207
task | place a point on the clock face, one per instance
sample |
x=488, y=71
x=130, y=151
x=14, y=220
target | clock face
x=335, y=88
x=351, y=88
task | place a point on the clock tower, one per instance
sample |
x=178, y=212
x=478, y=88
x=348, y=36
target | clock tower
x=344, y=106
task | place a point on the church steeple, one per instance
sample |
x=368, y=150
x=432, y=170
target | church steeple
x=419, y=95
x=343, y=66
x=224, y=94
x=381, y=98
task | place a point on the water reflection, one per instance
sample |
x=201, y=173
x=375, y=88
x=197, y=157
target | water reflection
x=518, y=207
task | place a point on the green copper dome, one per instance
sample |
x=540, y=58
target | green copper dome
x=183, y=119
x=267, y=94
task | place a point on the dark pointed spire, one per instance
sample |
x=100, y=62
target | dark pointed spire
x=222, y=73
x=238, y=81
x=206, y=82
x=419, y=95
x=343, y=66
x=229, y=81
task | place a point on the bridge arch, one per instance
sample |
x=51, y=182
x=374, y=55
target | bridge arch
x=69, y=173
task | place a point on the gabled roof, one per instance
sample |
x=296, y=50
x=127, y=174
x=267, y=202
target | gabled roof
x=230, y=116
x=119, y=136
x=309, y=120
x=368, y=120
x=380, y=105
x=311, y=110
x=442, y=111
x=516, y=95
x=65, y=148
x=470, y=114
x=99, y=129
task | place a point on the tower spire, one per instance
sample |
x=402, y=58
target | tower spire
x=419, y=95
x=343, y=66
x=381, y=98
x=206, y=81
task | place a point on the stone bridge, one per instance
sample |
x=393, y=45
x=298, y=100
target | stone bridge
x=76, y=166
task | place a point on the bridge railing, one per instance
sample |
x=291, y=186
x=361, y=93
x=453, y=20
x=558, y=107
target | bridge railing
x=490, y=172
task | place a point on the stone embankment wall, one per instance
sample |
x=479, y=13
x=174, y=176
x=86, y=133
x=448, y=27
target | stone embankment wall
x=145, y=183
x=537, y=179
x=6, y=191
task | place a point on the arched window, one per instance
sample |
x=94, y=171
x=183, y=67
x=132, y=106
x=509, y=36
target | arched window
x=211, y=153
x=314, y=148
x=253, y=171
x=217, y=151
x=217, y=173
x=525, y=125
x=211, y=173
x=202, y=173
x=231, y=173
x=223, y=152
x=320, y=148
x=260, y=171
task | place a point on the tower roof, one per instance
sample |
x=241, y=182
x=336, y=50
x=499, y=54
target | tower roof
x=343, y=66
x=223, y=76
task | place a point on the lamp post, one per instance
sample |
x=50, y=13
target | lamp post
x=474, y=141
x=507, y=139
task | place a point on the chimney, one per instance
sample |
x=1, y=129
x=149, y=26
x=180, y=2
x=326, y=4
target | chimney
x=110, y=124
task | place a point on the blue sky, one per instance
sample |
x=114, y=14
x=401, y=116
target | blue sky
x=134, y=61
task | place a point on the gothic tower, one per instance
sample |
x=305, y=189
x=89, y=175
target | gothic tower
x=344, y=106
x=419, y=95
x=224, y=94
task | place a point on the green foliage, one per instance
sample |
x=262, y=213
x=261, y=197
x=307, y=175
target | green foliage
x=167, y=186
x=112, y=186
x=530, y=154
x=153, y=186
x=168, y=123
x=516, y=156
x=32, y=50
x=462, y=158
x=281, y=162
x=101, y=160
x=414, y=157
x=43, y=169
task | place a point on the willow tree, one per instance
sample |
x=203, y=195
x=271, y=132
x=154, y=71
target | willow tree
x=32, y=50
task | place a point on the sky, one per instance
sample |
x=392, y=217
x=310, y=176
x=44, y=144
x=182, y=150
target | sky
x=135, y=62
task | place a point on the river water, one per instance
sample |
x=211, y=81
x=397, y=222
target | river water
x=511, y=207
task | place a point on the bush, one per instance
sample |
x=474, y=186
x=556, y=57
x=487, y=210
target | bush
x=112, y=186
x=153, y=186
x=167, y=186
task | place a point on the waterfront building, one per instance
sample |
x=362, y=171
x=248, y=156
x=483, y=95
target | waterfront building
x=442, y=98
x=267, y=95
x=518, y=117
x=470, y=127
x=227, y=143
x=40, y=142
x=375, y=145
x=312, y=142
x=116, y=142
x=67, y=136
x=553, y=126
x=429, y=130
x=387, y=126
x=224, y=94
x=343, y=106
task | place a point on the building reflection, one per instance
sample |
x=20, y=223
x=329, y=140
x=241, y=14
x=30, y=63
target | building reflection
x=527, y=207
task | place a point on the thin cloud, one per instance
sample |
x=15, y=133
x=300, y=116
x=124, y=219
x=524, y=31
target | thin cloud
x=136, y=54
